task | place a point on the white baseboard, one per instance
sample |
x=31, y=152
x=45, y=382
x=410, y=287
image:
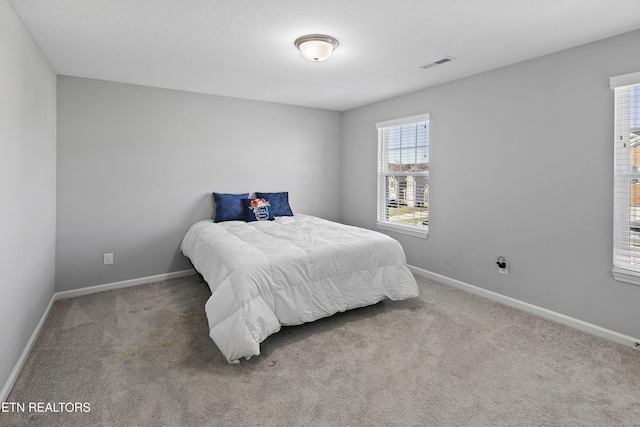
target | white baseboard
x=123, y=284
x=70, y=294
x=530, y=308
x=13, y=377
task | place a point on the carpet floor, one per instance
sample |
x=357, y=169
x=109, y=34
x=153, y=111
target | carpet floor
x=141, y=356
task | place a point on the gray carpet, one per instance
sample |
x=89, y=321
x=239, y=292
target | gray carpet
x=141, y=356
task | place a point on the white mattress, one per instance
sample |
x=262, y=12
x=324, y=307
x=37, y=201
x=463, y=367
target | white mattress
x=289, y=271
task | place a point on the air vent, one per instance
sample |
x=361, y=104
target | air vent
x=438, y=62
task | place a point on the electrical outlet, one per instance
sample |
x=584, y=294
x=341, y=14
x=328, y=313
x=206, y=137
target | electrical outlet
x=503, y=265
x=108, y=259
x=505, y=269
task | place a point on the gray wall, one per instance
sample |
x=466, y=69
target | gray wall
x=27, y=187
x=521, y=166
x=137, y=165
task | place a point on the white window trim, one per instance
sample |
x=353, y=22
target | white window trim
x=624, y=275
x=620, y=273
x=624, y=80
x=421, y=232
x=404, y=121
x=404, y=229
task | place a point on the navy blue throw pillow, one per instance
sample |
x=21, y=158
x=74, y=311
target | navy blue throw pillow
x=229, y=207
x=257, y=210
x=279, y=203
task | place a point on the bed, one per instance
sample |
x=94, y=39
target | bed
x=288, y=271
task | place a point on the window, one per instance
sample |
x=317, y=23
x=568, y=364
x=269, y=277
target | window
x=403, y=175
x=626, y=198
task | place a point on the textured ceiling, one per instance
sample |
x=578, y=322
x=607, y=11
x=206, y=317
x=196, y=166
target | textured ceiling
x=244, y=48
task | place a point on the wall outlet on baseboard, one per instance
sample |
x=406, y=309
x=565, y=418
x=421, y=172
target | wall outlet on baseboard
x=108, y=259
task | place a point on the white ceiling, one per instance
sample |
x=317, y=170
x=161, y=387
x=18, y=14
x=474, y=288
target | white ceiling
x=244, y=48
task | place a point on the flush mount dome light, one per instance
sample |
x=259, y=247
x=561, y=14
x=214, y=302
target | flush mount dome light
x=316, y=47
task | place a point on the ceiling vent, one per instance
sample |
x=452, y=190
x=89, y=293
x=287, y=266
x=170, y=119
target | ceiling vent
x=438, y=62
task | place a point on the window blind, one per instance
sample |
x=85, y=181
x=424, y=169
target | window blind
x=403, y=175
x=626, y=233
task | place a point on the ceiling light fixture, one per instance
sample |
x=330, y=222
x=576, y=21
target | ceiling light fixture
x=316, y=47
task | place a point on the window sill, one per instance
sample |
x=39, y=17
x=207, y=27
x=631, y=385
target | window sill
x=628, y=276
x=422, y=232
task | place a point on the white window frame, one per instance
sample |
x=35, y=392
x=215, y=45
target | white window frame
x=626, y=254
x=382, y=202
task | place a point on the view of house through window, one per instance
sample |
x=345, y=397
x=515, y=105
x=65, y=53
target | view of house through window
x=403, y=173
x=626, y=256
x=634, y=164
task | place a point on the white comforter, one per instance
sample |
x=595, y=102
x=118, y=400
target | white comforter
x=289, y=271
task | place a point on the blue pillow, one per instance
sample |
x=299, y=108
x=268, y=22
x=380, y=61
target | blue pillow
x=229, y=207
x=279, y=203
x=257, y=210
